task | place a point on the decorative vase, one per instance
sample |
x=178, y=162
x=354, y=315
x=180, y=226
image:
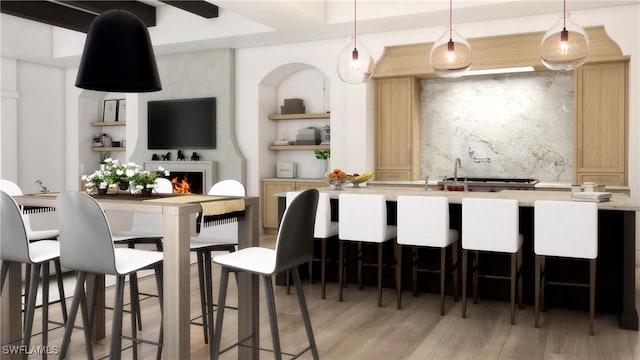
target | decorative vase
x=124, y=185
x=102, y=191
x=146, y=191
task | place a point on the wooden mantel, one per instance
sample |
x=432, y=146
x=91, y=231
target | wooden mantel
x=489, y=53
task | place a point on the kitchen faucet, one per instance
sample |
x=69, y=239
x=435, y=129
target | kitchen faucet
x=456, y=164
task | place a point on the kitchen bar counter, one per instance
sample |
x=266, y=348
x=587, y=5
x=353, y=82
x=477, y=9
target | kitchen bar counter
x=615, y=284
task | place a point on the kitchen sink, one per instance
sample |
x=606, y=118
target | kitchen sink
x=489, y=183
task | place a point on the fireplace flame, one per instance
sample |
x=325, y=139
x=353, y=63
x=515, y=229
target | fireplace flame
x=181, y=186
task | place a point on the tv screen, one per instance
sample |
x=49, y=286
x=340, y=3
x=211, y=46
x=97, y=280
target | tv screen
x=182, y=124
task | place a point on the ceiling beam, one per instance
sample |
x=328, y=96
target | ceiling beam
x=74, y=15
x=144, y=12
x=198, y=7
x=49, y=13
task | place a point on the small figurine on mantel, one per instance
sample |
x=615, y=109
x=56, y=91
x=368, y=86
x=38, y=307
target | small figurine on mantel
x=195, y=156
x=180, y=155
x=166, y=157
x=155, y=157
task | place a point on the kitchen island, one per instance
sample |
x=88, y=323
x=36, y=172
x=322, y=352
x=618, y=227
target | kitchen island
x=615, y=282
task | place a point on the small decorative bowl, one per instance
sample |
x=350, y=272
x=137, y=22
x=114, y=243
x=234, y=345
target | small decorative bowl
x=338, y=183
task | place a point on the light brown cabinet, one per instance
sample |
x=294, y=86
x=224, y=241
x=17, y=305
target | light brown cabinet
x=398, y=129
x=601, y=123
x=269, y=203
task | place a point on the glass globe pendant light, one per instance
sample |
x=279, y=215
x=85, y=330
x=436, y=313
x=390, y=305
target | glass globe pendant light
x=451, y=53
x=355, y=64
x=565, y=46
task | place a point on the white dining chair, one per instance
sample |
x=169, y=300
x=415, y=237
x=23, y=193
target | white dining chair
x=423, y=221
x=565, y=229
x=15, y=246
x=363, y=219
x=491, y=225
x=86, y=246
x=13, y=189
x=294, y=246
x=323, y=230
x=145, y=229
x=214, y=237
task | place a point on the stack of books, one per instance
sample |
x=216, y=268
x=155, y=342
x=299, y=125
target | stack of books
x=591, y=196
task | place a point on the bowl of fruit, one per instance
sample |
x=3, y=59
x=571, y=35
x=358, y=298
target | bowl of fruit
x=337, y=178
x=358, y=179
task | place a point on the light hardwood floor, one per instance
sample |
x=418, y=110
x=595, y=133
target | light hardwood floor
x=358, y=329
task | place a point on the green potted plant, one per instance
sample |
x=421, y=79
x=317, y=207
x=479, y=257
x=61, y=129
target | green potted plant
x=323, y=155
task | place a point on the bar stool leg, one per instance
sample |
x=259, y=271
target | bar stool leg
x=456, y=266
x=273, y=320
x=520, y=280
x=414, y=269
x=116, y=324
x=340, y=269
x=464, y=283
x=203, y=293
x=538, y=266
x=380, y=274
x=476, y=260
x=305, y=313
x=63, y=304
x=133, y=291
x=45, y=306
x=359, y=266
x=398, y=268
x=592, y=294
x=78, y=297
x=443, y=272
x=514, y=265
x=323, y=265
x=209, y=296
x=31, y=303
x=214, y=346
x=159, y=281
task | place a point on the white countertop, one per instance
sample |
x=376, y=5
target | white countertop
x=619, y=201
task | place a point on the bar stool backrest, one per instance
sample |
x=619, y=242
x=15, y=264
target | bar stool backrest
x=85, y=236
x=14, y=244
x=423, y=221
x=322, y=228
x=362, y=217
x=490, y=225
x=229, y=187
x=294, y=245
x=13, y=189
x=566, y=229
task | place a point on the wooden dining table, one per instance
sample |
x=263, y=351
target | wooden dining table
x=178, y=222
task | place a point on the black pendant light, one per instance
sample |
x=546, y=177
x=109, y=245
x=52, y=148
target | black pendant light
x=118, y=56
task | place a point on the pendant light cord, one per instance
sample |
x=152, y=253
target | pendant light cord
x=450, y=19
x=564, y=14
x=354, y=24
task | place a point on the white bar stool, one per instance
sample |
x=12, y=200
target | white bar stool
x=363, y=219
x=218, y=237
x=565, y=229
x=423, y=221
x=86, y=245
x=491, y=225
x=16, y=247
x=294, y=247
x=324, y=229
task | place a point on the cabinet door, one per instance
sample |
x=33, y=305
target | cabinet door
x=601, y=122
x=270, y=202
x=398, y=135
x=304, y=185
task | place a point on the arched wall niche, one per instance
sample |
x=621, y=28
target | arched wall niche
x=293, y=80
x=490, y=53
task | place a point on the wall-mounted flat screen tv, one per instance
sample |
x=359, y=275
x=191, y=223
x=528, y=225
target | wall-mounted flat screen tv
x=181, y=124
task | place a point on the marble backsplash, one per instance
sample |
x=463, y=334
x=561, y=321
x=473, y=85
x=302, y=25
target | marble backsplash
x=523, y=123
